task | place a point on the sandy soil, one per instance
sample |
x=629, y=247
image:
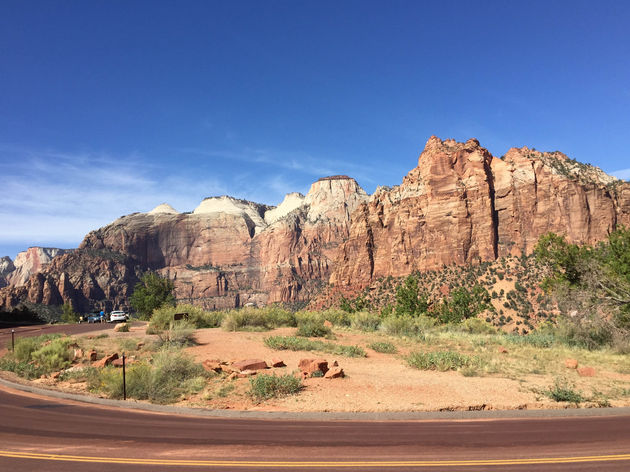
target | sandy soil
x=379, y=382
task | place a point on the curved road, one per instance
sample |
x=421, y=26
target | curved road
x=40, y=433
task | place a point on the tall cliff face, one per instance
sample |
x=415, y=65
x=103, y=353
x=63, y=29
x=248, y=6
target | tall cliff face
x=226, y=253
x=462, y=205
x=30, y=262
x=6, y=268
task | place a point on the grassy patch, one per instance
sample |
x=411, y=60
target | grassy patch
x=384, y=347
x=563, y=391
x=170, y=376
x=264, y=386
x=313, y=329
x=439, y=360
x=293, y=343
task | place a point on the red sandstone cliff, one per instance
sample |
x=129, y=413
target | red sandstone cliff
x=462, y=205
x=459, y=205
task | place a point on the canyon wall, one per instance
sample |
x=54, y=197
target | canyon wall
x=460, y=205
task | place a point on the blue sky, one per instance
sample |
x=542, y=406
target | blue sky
x=107, y=108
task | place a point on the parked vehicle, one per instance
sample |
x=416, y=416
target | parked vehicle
x=96, y=318
x=118, y=316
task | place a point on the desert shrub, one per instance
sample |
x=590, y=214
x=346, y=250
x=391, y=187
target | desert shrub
x=24, y=347
x=243, y=319
x=24, y=369
x=179, y=333
x=410, y=301
x=264, y=386
x=563, y=391
x=53, y=356
x=171, y=375
x=439, y=360
x=535, y=338
x=257, y=319
x=384, y=347
x=478, y=326
x=404, y=325
x=336, y=317
x=293, y=343
x=313, y=329
x=365, y=321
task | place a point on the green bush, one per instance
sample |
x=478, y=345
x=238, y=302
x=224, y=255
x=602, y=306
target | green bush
x=365, y=321
x=179, y=333
x=152, y=292
x=171, y=375
x=404, y=325
x=439, y=360
x=24, y=347
x=313, y=329
x=257, y=319
x=384, y=347
x=292, y=343
x=53, y=356
x=27, y=370
x=563, y=391
x=265, y=386
x=68, y=315
x=478, y=326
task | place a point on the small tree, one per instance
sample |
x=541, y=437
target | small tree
x=409, y=300
x=151, y=293
x=68, y=315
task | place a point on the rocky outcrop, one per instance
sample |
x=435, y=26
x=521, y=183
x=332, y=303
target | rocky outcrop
x=6, y=269
x=226, y=253
x=461, y=205
x=87, y=278
x=29, y=262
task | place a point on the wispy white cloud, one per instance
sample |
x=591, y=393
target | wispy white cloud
x=621, y=174
x=50, y=196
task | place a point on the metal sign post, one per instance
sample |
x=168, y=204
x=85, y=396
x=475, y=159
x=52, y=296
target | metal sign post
x=124, y=379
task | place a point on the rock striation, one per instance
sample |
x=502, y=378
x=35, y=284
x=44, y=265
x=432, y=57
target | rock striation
x=460, y=205
x=27, y=263
x=226, y=253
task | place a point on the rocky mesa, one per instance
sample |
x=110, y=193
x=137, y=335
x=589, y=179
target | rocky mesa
x=460, y=205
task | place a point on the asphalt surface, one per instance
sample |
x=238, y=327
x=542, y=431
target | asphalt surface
x=46, y=434
x=37, y=330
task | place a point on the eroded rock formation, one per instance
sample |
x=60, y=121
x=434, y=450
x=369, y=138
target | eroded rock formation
x=460, y=205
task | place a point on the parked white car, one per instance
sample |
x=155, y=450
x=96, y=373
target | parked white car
x=118, y=316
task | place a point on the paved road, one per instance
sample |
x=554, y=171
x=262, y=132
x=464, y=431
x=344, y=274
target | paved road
x=45, y=434
x=42, y=434
x=37, y=330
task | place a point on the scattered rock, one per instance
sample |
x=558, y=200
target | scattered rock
x=502, y=350
x=335, y=364
x=586, y=371
x=250, y=364
x=78, y=354
x=118, y=362
x=105, y=361
x=55, y=375
x=120, y=327
x=328, y=324
x=139, y=346
x=92, y=355
x=334, y=373
x=212, y=365
x=232, y=376
x=277, y=363
x=571, y=363
x=311, y=365
x=247, y=373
